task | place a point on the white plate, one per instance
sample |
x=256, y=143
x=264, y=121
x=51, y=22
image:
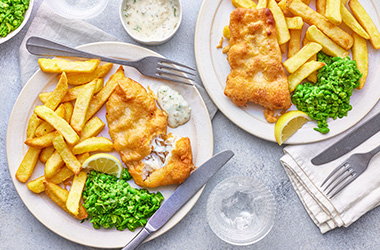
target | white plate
x=214, y=68
x=16, y=31
x=198, y=129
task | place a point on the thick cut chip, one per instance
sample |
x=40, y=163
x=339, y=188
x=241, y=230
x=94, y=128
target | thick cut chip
x=294, y=42
x=92, y=128
x=58, y=93
x=53, y=165
x=296, y=61
x=320, y=6
x=59, y=65
x=283, y=4
x=313, y=77
x=67, y=156
x=37, y=185
x=58, y=123
x=62, y=175
x=282, y=30
x=59, y=196
x=81, y=107
x=332, y=11
x=360, y=55
x=45, y=128
x=27, y=165
x=100, y=98
x=261, y=4
x=82, y=78
x=46, y=153
x=75, y=193
x=244, y=4
x=340, y=37
x=294, y=23
x=93, y=144
x=351, y=22
x=303, y=72
x=366, y=21
x=42, y=141
x=33, y=124
x=328, y=45
x=257, y=74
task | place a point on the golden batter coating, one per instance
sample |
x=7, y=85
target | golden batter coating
x=257, y=74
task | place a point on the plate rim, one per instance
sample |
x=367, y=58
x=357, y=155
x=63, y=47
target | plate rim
x=232, y=115
x=156, y=234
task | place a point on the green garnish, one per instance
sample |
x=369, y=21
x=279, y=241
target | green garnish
x=330, y=96
x=11, y=15
x=112, y=202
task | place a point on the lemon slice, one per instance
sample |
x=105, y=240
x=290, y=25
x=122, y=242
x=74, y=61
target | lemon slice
x=288, y=124
x=104, y=163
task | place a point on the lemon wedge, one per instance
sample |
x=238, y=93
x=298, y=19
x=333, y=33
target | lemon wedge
x=288, y=124
x=104, y=163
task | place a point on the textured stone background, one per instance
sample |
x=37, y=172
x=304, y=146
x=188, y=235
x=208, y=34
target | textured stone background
x=293, y=228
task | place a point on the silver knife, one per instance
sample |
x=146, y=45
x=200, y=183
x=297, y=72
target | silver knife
x=349, y=142
x=180, y=196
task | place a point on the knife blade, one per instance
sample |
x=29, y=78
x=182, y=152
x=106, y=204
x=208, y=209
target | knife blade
x=180, y=196
x=349, y=142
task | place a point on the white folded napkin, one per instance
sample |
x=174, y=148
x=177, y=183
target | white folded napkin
x=71, y=32
x=350, y=204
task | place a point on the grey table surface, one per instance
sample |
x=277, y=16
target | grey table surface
x=293, y=229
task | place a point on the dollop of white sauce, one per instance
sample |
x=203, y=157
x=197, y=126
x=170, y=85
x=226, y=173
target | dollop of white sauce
x=175, y=105
x=151, y=19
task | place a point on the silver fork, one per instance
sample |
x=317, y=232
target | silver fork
x=152, y=66
x=347, y=172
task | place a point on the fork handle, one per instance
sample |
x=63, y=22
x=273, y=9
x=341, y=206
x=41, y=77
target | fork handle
x=374, y=151
x=43, y=47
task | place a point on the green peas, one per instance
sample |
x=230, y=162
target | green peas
x=330, y=96
x=11, y=15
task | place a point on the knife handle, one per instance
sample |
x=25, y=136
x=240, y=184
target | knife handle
x=137, y=240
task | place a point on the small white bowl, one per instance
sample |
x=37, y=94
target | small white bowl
x=26, y=18
x=150, y=41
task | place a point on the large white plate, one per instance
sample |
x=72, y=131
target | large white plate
x=198, y=129
x=214, y=68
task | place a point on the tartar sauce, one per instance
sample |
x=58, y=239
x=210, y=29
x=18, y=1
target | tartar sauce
x=174, y=104
x=151, y=19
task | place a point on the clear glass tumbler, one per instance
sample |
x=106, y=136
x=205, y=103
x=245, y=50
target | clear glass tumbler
x=241, y=210
x=78, y=9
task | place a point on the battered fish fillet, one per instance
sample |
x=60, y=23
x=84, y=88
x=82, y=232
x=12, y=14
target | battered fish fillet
x=138, y=130
x=257, y=74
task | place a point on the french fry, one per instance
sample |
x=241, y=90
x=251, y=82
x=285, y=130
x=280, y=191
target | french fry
x=42, y=141
x=81, y=107
x=311, y=17
x=247, y=4
x=283, y=48
x=62, y=175
x=100, y=98
x=328, y=46
x=351, y=22
x=46, y=153
x=58, y=93
x=321, y=6
x=313, y=76
x=82, y=78
x=59, y=196
x=53, y=165
x=360, y=55
x=58, y=123
x=332, y=11
x=27, y=165
x=283, y=35
x=72, y=93
x=67, y=155
x=226, y=32
x=294, y=23
x=93, y=144
x=59, y=65
x=92, y=128
x=69, y=108
x=33, y=124
x=302, y=73
x=261, y=4
x=301, y=57
x=37, y=185
x=365, y=20
x=294, y=42
x=75, y=193
x=82, y=157
x=45, y=128
x=283, y=4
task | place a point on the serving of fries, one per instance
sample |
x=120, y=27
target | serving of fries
x=62, y=131
x=335, y=27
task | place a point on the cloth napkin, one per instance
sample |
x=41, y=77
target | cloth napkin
x=356, y=199
x=71, y=32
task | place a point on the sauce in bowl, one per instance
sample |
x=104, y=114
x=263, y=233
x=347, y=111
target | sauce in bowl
x=151, y=20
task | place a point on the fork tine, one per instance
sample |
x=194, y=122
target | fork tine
x=176, y=69
x=348, y=181
x=338, y=181
x=332, y=173
x=164, y=60
x=174, y=80
x=173, y=74
x=338, y=174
